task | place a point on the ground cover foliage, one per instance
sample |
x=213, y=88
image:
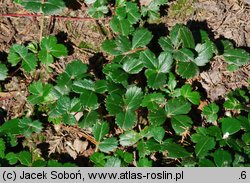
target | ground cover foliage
x=140, y=109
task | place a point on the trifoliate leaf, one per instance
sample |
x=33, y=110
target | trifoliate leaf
x=165, y=61
x=90, y=118
x=174, y=150
x=129, y=138
x=3, y=72
x=205, y=53
x=203, y=145
x=237, y=56
x=108, y=145
x=184, y=55
x=28, y=126
x=141, y=38
x=50, y=49
x=63, y=106
x=20, y=53
x=181, y=124
x=126, y=120
x=157, y=116
x=113, y=162
x=133, y=98
x=48, y=7
x=76, y=69
x=133, y=66
x=187, y=69
x=177, y=106
x=211, y=111
x=148, y=59
x=181, y=34
x=89, y=100
x=25, y=158
x=230, y=125
x=155, y=79
x=114, y=104
x=186, y=92
x=133, y=14
x=153, y=100
x=100, y=130
x=80, y=86
x=100, y=86
x=39, y=92
x=120, y=26
x=166, y=44
x=222, y=158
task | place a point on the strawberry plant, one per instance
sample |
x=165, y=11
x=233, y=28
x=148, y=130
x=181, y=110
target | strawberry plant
x=141, y=111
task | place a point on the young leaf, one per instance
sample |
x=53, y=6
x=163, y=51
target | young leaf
x=129, y=138
x=126, y=120
x=157, y=116
x=3, y=72
x=49, y=48
x=100, y=130
x=230, y=125
x=177, y=106
x=187, y=69
x=141, y=38
x=133, y=66
x=205, y=53
x=237, y=57
x=155, y=79
x=222, y=158
x=108, y=145
x=181, y=123
x=20, y=53
x=133, y=98
x=211, y=111
x=203, y=145
x=153, y=100
x=186, y=92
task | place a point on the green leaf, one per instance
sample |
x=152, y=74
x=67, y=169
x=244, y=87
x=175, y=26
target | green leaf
x=10, y=127
x=48, y=7
x=90, y=118
x=211, y=111
x=28, y=126
x=157, y=116
x=153, y=100
x=230, y=125
x=100, y=130
x=20, y=53
x=206, y=163
x=133, y=14
x=158, y=133
x=144, y=162
x=122, y=26
x=108, y=145
x=98, y=9
x=215, y=131
x=232, y=104
x=222, y=158
x=141, y=38
x=187, y=69
x=205, y=53
x=165, y=61
x=114, y=104
x=76, y=69
x=166, y=44
x=39, y=92
x=246, y=138
x=89, y=100
x=126, y=120
x=100, y=86
x=25, y=158
x=177, y=106
x=115, y=73
x=81, y=86
x=63, y=105
x=98, y=159
x=184, y=55
x=132, y=66
x=129, y=138
x=113, y=162
x=148, y=59
x=3, y=72
x=2, y=148
x=175, y=150
x=155, y=79
x=186, y=92
x=133, y=98
x=49, y=48
x=181, y=123
x=237, y=56
x=203, y=145
x=12, y=158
